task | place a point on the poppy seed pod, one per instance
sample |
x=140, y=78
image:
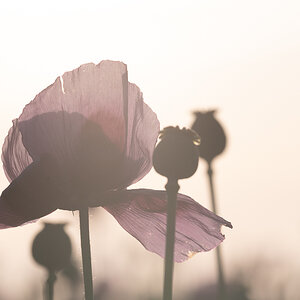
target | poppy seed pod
x=51, y=247
x=176, y=155
x=211, y=133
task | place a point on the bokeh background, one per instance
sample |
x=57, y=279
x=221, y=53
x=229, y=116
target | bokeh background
x=240, y=57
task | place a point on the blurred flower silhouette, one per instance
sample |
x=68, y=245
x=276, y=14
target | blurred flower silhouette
x=212, y=135
x=80, y=143
x=52, y=248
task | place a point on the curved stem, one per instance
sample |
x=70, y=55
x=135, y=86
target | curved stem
x=172, y=188
x=86, y=253
x=221, y=280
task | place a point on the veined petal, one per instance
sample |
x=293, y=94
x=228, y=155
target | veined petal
x=142, y=133
x=15, y=157
x=99, y=93
x=94, y=125
x=143, y=214
x=124, y=129
x=96, y=92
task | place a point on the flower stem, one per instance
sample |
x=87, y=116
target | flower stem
x=172, y=188
x=221, y=280
x=86, y=253
x=50, y=285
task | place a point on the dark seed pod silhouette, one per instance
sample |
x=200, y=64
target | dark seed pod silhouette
x=51, y=247
x=212, y=135
x=176, y=155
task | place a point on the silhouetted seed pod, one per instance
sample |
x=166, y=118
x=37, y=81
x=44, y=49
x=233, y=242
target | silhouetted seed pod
x=176, y=155
x=52, y=247
x=213, y=139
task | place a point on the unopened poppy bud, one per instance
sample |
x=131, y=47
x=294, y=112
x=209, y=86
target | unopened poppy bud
x=176, y=155
x=51, y=247
x=212, y=135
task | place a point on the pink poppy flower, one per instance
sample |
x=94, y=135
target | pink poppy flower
x=81, y=142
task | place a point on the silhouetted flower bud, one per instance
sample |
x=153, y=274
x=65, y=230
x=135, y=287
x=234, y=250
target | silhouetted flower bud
x=176, y=155
x=52, y=247
x=213, y=139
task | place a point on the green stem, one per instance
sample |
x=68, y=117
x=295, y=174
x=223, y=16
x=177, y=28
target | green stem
x=86, y=253
x=172, y=188
x=221, y=280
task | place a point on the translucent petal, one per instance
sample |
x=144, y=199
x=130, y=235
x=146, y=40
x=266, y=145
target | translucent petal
x=142, y=133
x=94, y=124
x=59, y=121
x=96, y=92
x=143, y=213
x=15, y=157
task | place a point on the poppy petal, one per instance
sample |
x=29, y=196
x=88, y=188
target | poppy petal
x=9, y=218
x=142, y=133
x=89, y=109
x=34, y=194
x=15, y=157
x=94, y=92
x=143, y=214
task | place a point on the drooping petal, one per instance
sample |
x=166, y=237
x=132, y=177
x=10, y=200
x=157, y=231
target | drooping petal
x=143, y=213
x=15, y=157
x=34, y=194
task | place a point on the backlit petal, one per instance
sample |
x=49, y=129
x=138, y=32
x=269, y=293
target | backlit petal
x=143, y=213
x=142, y=133
x=97, y=93
x=15, y=157
x=95, y=124
x=37, y=192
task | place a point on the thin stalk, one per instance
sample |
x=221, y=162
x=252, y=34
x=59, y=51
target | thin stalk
x=221, y=280
x=172, y=188
x=50, y=285
x=86, y=253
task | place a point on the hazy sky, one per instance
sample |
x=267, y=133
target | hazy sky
x=242, y=57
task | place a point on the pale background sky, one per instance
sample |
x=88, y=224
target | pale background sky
x=242, y=57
